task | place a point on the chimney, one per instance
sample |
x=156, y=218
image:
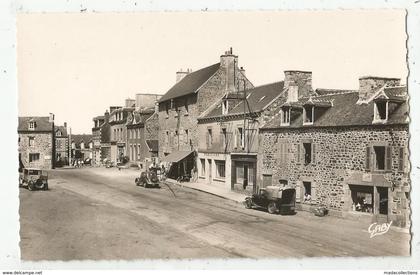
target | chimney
x=181, y=74
x=156, y=106
x=369, y=85
x=65, y=125
x=300, y=79
x=51, y=118
x=106, y=116
x=228, y=64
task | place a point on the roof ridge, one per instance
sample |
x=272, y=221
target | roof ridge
x=341, y=93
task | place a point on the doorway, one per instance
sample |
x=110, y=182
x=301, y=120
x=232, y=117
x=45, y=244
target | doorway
x=383, y=200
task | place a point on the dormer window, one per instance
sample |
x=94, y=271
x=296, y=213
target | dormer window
x=58, y=134
x=308, y=115
x=32, y=125
x=225, y=107
x=285, y=116
x=380, y=111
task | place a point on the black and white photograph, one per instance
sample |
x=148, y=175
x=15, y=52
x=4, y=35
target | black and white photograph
x=213, y=135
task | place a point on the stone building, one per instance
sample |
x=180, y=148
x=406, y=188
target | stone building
x=117, y=121
x=345, y=150
x=228, y=136
x=36, y=142
x=81, y=147
x=61, y=146
x=179, y=108
x=98, y=123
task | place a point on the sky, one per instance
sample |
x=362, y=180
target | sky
x=76, y=65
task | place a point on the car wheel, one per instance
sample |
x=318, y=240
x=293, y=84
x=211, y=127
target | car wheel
x=248, y=203
x=30, y=186
x=46, y=186
x=272, y=208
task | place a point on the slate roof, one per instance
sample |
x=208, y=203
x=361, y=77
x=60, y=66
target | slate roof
x=42, y=124
x=190, y=83
x=153, y=145
x=77, y=139
x=321, y=91
x=344, y=111
x=258, y=98
x=62, y=129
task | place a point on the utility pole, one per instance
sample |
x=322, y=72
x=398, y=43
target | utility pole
x=70, y=148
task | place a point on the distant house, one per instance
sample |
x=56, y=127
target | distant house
x=181, y=105
x=36, y=142
x=98, y=123
x=61, y=145
x=81, y=147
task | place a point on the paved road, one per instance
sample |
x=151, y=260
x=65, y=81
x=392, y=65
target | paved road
x=98, y=213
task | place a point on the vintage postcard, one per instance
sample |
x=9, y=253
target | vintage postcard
x=213, y=135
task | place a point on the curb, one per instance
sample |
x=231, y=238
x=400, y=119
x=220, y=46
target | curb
x=201, y=190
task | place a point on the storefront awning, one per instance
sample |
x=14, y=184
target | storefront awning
x=177, y=156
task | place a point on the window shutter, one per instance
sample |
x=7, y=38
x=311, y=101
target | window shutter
x=298, y=157
x=368, y=159
x=313, y=153
x=401, y=160
x=298, y=192
x=388, y=158
x=207, y=139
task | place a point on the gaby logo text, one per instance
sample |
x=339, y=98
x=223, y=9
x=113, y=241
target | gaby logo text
x=378, y=229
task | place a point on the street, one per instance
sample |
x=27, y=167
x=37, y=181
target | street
x=99, y=213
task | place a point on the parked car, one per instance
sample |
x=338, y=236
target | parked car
x=148, y=178
x=109, y=164
x=33, y=178
x=275, y=199
x=87, y=161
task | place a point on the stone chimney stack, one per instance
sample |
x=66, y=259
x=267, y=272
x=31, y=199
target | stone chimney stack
x=106, y=115
x=228, y=64
x=65, y=125
x=300, y=79
x=181, y=74
x=369, y=85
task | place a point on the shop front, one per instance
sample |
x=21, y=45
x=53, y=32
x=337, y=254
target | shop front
x=244, y=170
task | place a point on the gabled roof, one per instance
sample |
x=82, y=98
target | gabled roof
x=190, y=83
x=62, y=129
x=42, y=124
x=153, y=145
x=344, y=111
x=77, y=139
x=257, y=99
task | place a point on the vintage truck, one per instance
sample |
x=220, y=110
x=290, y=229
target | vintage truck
x=275, y=199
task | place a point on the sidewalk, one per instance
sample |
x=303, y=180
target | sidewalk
x=211, y=189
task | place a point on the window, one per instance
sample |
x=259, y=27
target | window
x=224, y=138
x=203, y=167
x=401, y=159
x=186, y=106
x=167, y=107
x=33, y=157
x=308, y=115
x=31, y=141
x=225, y=106
x=381, y=111
x=58, y=134
x=209, y=140
x=307, y=151
x=167, y=138
x=283, y=182
x=285, y=116
x=187, y=137
x=220, y=169
x=32, y=125
x=283, y=152
x=240, y=138
x=379, y=159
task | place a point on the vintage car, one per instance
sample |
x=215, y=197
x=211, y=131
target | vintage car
x=276, y=199
x=33, y=179
x=148, y=178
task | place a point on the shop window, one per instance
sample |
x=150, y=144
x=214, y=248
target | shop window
x=220, y=169
x=203, y=167
x=362, y=198
x=307, y=152
x=33, y=157
x=31, y=141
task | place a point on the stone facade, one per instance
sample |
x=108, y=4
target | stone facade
x=41, y=145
